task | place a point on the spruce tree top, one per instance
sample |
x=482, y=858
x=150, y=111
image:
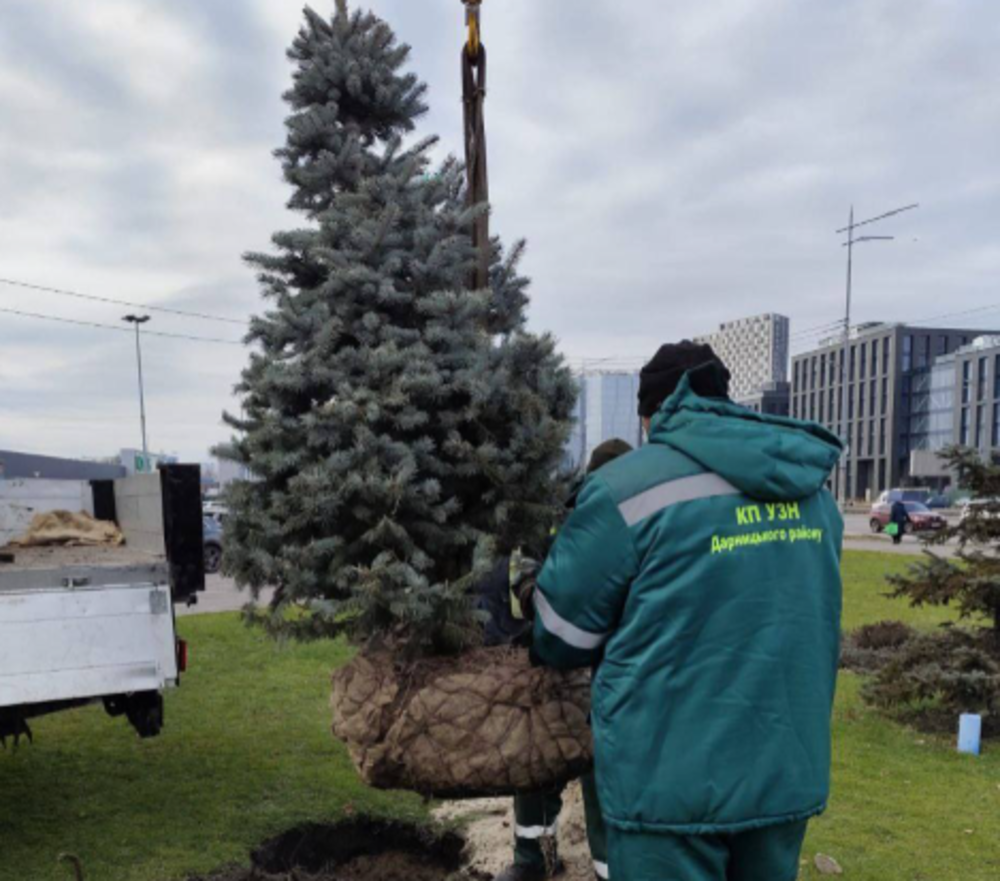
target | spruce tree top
x=403, y=431
x=348, y=93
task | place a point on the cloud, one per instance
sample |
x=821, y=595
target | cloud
x=672, y=164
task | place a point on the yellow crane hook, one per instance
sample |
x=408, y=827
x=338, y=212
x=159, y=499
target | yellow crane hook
x=472, y=21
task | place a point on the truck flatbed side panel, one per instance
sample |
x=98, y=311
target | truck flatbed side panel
x=85, y=643
x=13, y=579
x=61, y=557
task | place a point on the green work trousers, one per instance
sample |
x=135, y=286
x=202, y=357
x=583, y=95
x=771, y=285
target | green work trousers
x=768, y=854
x=536, y=816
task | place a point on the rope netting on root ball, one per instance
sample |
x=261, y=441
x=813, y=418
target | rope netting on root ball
x=483, y=723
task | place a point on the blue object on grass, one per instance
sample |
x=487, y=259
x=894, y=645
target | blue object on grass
x=970, y=731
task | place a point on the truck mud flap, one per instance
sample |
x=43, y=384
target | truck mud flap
x=144, y=711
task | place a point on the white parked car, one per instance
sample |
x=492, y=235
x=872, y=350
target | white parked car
x=917, y=494
x=217, y=511
x=985, y=508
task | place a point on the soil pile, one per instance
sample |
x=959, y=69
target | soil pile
x=356, y=850
x=485, y=723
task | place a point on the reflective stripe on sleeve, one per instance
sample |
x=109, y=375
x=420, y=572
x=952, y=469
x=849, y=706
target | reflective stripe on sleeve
x=534, y=832
x=568, y=633
x=686, y=489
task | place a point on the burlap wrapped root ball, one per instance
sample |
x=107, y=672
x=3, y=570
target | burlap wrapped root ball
x=482, y=723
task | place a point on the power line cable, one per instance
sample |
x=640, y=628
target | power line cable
x=817, y=330
x=204, y=316
x=79, y=323
x=981, y=310
x=994, y=308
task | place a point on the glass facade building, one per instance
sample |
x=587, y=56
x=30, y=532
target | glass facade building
x=886, y=393
x=932, y=416
x=607, y=408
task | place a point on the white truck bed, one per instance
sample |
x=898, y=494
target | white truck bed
x=110, y=631
x=76, y=633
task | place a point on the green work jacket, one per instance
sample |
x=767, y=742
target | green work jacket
x=703, y=570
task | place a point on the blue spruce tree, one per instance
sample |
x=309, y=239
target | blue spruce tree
x=402, y=430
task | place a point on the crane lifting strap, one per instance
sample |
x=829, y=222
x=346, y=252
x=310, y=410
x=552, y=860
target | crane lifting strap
x=473, y=98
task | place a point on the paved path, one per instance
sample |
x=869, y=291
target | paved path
x=221, y=595
x=883, y=544
x=859, y=537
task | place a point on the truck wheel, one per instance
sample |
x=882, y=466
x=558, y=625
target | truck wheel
x=213, y=559
x=116, y=705
x=145, y=712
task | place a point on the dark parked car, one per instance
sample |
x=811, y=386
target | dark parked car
x=922, y=518
x=212, y=532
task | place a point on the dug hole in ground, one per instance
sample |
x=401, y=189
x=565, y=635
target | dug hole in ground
x=365, y=849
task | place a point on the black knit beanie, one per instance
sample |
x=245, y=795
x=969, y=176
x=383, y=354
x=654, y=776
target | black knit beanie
x=661, y=376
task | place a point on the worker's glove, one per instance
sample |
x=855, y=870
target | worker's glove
x=523, y=574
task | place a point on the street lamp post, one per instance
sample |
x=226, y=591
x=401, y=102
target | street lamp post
x=844, y=376
x=137, y=320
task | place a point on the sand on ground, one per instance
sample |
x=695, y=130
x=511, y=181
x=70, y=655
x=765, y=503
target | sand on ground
x=488, y=825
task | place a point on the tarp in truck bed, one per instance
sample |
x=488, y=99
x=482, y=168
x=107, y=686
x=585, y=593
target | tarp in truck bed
x=70, y=529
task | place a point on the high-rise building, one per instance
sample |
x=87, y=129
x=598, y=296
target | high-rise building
x=904, y=386
x=956, y=402
x=756, y=352
x=228, y=471
x=573, y=451
x=772, y=399
x=606, y=408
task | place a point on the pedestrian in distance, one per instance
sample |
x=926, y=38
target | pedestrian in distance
x=536, y=814
x=704, y=570
x=898, y=517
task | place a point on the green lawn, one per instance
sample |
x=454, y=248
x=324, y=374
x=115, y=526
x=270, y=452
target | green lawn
x=906, y=806
x=865, y=589
x=247, y=753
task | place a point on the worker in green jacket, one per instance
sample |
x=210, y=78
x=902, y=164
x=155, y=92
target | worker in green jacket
x=536, y=814
x=704, y=570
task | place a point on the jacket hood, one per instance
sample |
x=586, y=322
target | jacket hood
x=771, y=458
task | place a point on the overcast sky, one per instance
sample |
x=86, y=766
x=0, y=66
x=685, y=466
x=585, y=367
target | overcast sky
x=673, y=165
